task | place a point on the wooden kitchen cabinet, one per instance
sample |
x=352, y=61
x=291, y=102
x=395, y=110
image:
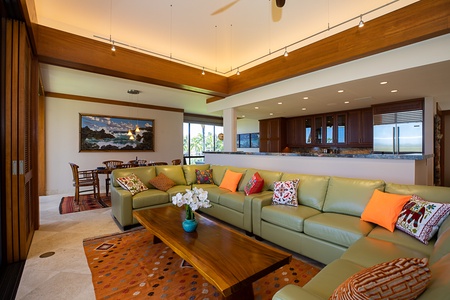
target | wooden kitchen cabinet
x=360, y=128
x=295, y=134
x=272, y=135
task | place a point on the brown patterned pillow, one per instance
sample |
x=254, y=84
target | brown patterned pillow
x=400, y=279
x=162, y=182
x=132, y=183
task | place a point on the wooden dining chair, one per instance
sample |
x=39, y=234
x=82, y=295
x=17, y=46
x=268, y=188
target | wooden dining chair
x=85, y=181
x=128, y=165
x=176, y=161
x=138, y=162
x=110, y=165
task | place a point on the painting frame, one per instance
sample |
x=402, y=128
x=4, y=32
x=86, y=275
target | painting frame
x=104, y=133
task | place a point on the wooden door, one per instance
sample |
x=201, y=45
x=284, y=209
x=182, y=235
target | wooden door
x=20, y=196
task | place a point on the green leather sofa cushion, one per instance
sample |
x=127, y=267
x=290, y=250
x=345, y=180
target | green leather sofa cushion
x=330, y=277
x=233, y=200
x=429, y=193
x=289, y=217
x=311, y=189
x=143, y=173
x=173, y=172
x=368, y=252
x=214, y=192
x=335, y=228
x=189, y=172
x=441, y=247
x=400, y=238
x=149, y=198
x=269, y=178
x=439, y=286
x=218, y=173
x=350, y=195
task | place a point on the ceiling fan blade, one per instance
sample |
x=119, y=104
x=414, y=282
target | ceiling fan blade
x=280, y=3
x=224, y=8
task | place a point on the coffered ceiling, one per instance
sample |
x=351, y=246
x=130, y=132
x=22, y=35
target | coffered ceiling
x=223, y=36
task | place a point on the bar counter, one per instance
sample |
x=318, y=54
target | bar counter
x=403, y=169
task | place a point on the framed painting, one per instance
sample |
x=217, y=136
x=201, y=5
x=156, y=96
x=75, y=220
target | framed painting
x=107, y=133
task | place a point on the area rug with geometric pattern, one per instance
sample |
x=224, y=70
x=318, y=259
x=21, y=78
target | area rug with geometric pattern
x=129, y=266
x=87, y=202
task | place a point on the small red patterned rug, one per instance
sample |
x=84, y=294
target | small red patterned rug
x=88, y=202
x=128, y=265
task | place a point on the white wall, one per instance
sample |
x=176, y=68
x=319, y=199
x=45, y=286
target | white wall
x=62, y=139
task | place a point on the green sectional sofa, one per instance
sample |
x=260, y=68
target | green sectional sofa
x=326, y=225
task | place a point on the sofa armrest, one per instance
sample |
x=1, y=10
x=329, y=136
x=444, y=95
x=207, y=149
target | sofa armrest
x=294, y=292
x=257, y=204
x=122, y=206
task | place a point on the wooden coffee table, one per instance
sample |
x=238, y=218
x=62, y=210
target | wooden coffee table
x=229, y=260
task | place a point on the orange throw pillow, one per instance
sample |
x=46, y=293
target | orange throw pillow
x=383, y=209
x=230, y=180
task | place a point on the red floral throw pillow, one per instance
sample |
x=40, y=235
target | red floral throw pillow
x=285, y=192
x=204, y=176
x=254, y=185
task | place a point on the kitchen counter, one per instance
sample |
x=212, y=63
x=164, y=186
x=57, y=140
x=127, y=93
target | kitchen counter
x=371, y=156
x=402, y=169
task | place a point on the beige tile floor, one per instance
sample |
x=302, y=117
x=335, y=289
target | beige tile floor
x=65, y=275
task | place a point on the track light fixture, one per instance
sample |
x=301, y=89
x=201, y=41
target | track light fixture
x=279, y=3
x=361, y=22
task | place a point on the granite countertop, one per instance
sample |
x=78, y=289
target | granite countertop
x=371, y=156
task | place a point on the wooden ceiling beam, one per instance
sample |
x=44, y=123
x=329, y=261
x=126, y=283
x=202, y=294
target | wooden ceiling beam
x=413, y=23
x=68, y=50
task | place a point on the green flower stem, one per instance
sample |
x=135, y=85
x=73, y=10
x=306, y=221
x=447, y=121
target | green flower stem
x=189, y=213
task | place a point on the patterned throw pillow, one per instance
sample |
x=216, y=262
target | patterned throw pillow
x=421, y=219
x=204, y=176
x=401, y=279
x=285, y=192
x=254, y=185
x=132, y=183
x=162, y=182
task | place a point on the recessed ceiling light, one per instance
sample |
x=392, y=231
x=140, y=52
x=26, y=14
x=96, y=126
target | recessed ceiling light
x=394, y=91
x=347, y=102
x=304, y=108
x=383, y=82
x=280, y=102
x=305, y=98
x=271, y=114
x=256, y=107
x=340, y=91
x=243, y=116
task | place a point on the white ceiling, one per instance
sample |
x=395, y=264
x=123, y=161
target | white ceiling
x=223, y=35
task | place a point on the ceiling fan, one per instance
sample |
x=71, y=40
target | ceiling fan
x=279, y=3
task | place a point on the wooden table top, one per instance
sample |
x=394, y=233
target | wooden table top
x=228, y=259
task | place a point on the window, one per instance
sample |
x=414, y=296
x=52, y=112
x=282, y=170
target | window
x=198, y=138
